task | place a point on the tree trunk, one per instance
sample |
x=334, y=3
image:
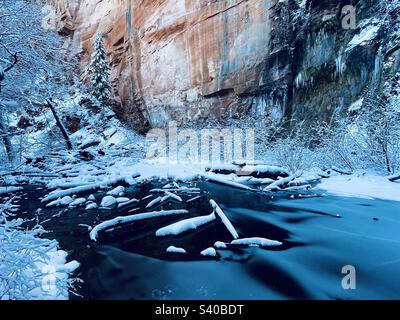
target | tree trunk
x=60, y=125
x=6, y=140
x=394, y=178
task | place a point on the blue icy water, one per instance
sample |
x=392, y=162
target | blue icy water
x=320, y=235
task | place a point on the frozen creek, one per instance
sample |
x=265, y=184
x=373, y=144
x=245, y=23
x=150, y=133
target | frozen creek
x=319, y=235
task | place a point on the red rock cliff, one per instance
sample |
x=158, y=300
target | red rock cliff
x=187, y=60
x=175, y=59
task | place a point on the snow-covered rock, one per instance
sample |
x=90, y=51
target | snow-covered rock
x=220, y=245
x=108, y=201
x=173, y=249
x=91, y=206
x=116, y=191
x=65, y=201
x=77, y=202
x=209, y=252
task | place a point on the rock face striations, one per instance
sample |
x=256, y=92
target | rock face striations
x=186, y=60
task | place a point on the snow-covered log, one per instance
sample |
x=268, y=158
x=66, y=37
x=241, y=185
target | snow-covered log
x=193, y=199
x=263, y=171
x=168, y=195
x=127, y=203
x=133, y=218
x=342, y=171
x=155, y=201
x=182, y=189
x=256, y=242
x=185, y=225
x=225, y=181
x=10, y=189
x=173, y=196
x=85, y=188
x=65, y=201
x=224, y=219
x=282, y=183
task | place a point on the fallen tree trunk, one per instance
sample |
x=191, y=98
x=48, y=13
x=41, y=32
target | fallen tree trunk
x=342, y=171
x=282, y=183
x=60, y=125
x=394, y=178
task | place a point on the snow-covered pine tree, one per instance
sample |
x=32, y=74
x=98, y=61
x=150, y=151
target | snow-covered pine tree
x=100, y=69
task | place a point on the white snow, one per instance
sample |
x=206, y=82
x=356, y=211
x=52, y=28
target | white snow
x=356, y=105
x=182, y=189
x=223, y=167
x=65, y=201
x=91, y=206
x=83, y=188
x=173, y=249
x=185, y=225
x=258, y=181
x=122, y=200
x=224, y=219
x=108, y=201
x=193, y=199
x=32, y=267
x=155, y=201
x=364, y=186
x=127, y=203
x=137, y=217
x=366, y=35
x=168, y=195
x=256, y=242
x=209, y=252
x=224, y=179
x=55, y=273
x=10, y=189
x=77, y=202
x=281, y=182
x=173, y=196
x=265, y=169
x=220, y=245
x=116, y=191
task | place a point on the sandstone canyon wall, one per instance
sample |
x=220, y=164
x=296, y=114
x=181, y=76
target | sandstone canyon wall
x=186, y=60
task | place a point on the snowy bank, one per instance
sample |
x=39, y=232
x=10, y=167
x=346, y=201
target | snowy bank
x=10, y=189
x=365, y=186
x=40, y=273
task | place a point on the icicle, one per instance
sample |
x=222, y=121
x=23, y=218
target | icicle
x=376, y=76
x=340, y=66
